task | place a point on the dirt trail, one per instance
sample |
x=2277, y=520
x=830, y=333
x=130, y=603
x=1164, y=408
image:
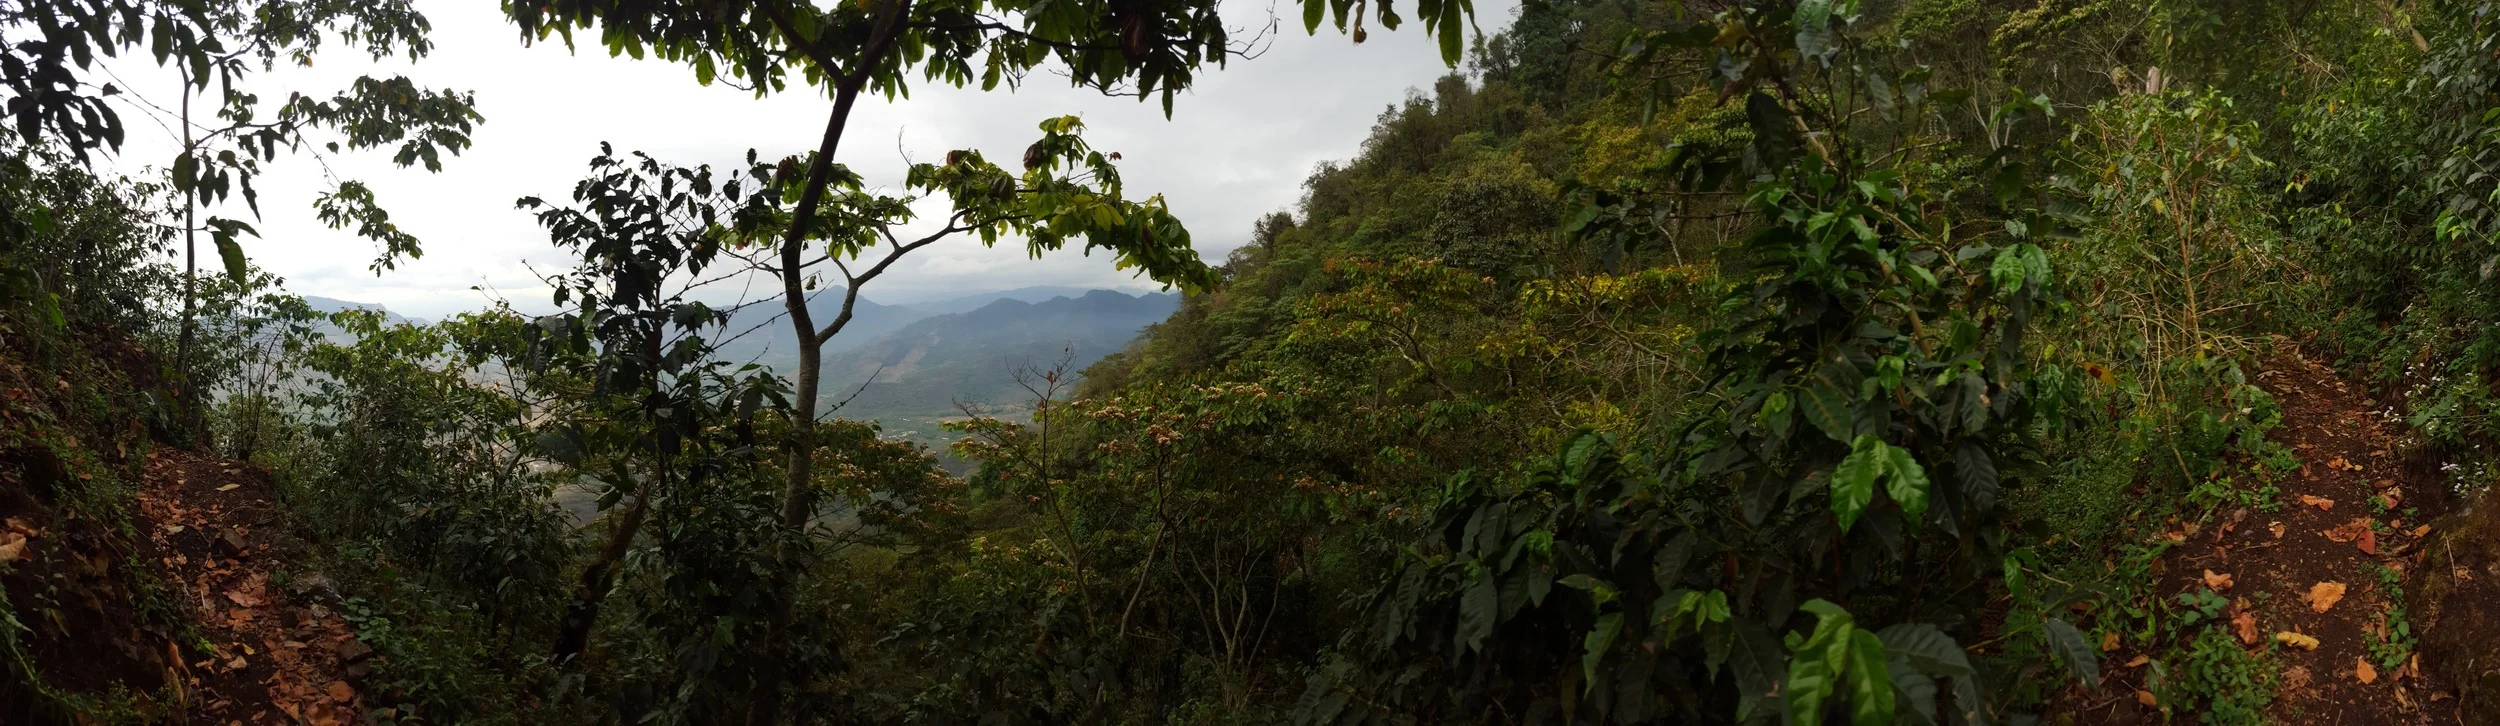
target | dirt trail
x=2313, y=567
x=282, y=657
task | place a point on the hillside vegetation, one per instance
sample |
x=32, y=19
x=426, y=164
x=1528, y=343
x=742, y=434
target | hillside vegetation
x=1702, y=361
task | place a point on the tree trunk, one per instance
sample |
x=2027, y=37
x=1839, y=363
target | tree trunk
x=798, y=491
x=573, y=633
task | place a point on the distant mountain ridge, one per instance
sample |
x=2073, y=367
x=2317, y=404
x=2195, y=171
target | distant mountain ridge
x=919, y=360
x=926, y=367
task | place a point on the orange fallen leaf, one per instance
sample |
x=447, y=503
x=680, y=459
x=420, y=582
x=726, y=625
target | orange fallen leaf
x=2322, y=503
x=2390, y=498
x=2384, y=483
x=2277, y=529
x=2421, y=530
x=2146, y=698
x=2349, y=531
x=12, y=547
x=2362, y=670
x=340, y=692
x=245, y=599
x=2139, y=661
x=2218, y=581
x=2297, y=640
x=2246, y=624
x=2337, y=464
x=2109, y=641
x=2323, y=596
x=2368, y=542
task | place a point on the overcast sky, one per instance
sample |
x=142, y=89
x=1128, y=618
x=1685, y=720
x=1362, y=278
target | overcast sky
x=1236, y=147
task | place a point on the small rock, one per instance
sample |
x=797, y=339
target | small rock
x=359, y=670
x=354, y=651
x=315, y=584
x=231, y=543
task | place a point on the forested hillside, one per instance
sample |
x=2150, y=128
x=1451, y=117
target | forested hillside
x=1699, y=361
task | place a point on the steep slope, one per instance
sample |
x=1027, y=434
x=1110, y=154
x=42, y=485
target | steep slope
x=969, y=303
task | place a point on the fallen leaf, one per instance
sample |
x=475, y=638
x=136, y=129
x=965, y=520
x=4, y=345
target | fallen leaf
x=12, y=547
x=340, y=692
x=2368, y=543
x=2139, y=661
x=2218, y=581
x=2146, y=698
x=2109, y=641
x=2323, y=596
x=2277, y=529
x=2421, y=530
x=2389, y=498
x=2246, y=624
x=245, y=599
x=229, y=487
x=236, y=664
x=2349, y=531
x=2384, y=483
x=2296, y=640
x=2362, y=670
x=2322, y=503
x=2338, y=463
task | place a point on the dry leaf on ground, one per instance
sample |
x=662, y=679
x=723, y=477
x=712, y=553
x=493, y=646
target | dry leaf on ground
x=2146, y=698
x=12, y=547
x=2323, y=596
x=2218, y=581
x=2368, y=542
x=245, y=599
x=2139, y=661
x=2277, y=528
x=2349, y=531
x=2296, y=640
x=2109, y=641
x=2362, y=670
x=2246, y=624
x=2322, y=503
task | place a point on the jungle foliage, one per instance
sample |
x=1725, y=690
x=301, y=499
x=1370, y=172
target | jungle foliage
x=1715, y=361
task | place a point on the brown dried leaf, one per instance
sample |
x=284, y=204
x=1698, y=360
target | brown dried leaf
x=2277, y=528
x=2322, y=503
x=2363, y=670
x=2218, y=581
x=12, y=547
x=2390, y=498
x=2368, y=542
x=2421, y=530
x=2146, y=698
x=2109, y=641
x=2296, y=640
x=245, y=599
x=2246, y=624
x=2139, y=661
x=340, y=692
x=2323, y=596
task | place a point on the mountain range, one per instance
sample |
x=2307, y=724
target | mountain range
x=911, y=365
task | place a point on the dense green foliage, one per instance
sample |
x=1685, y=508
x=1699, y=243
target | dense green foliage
x=1694, y=362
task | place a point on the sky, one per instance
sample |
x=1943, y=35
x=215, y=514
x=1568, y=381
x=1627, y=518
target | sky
x=1236, y=147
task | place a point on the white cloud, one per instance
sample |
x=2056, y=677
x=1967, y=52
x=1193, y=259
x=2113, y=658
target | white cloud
x=1237, y=146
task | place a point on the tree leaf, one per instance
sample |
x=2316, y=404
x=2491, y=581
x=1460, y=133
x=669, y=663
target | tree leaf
x=2071, y=648
x=1816, y=666
x=1870, y=681
x=1477, y=609
x=1599, y=640
x=1905, y=481
x=1853, y=481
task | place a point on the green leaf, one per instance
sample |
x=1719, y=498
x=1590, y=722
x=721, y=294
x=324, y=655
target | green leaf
x=1453, y=40
x=1828, y=409
x=2007, y=271
x=1870, y=681
x=1905, y=481
x=2073, y=650
x=1756, y=660
x=1853, y=481
x=1814, y=29
x=1816, y=665
x=1928, y=649
x=1597, y=643
x=1312, y=12
x=232, y=253
x=1477, y=609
